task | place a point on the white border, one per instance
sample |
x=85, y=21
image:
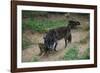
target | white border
x=53, y=63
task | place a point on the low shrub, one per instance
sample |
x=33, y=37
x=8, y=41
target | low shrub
x=71, y=54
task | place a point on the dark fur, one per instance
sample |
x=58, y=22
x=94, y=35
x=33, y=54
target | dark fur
x=73, y=24
x=53, y=35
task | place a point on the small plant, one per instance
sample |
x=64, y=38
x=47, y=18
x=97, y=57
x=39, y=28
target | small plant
x=71, y=54
x=34, y=59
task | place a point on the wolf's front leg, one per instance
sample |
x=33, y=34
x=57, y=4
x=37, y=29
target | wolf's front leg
x=55, y=45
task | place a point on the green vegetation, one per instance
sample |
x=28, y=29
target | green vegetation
x=34, y=59
x=41, y=21
x=42, y=25
x=73, y=54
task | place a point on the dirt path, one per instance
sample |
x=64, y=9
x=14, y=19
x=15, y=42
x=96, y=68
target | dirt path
x=33, y=50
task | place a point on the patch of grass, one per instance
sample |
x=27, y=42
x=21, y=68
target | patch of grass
x=42, y=25
x=34, y=59
x=71, y=54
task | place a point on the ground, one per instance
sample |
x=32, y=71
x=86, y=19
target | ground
x=77, y=35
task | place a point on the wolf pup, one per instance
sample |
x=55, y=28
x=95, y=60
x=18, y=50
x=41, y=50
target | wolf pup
x=43, y=49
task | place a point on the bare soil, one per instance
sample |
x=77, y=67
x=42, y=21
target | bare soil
x=36, y=38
